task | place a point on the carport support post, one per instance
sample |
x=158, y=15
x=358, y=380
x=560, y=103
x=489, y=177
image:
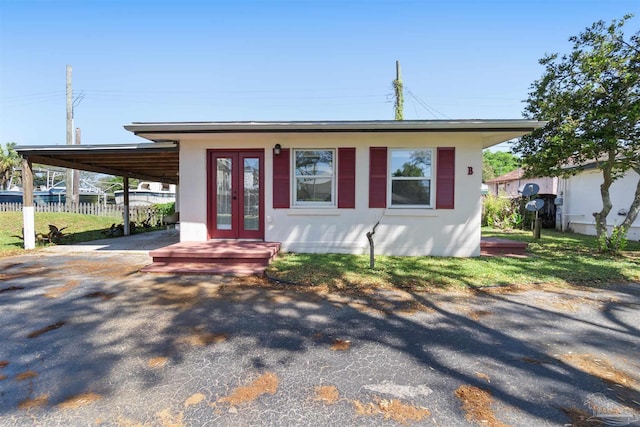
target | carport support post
x=28, y=211
x=125, y=184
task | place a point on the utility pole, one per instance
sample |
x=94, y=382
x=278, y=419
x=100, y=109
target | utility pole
x=69, y=178
x=397, y=86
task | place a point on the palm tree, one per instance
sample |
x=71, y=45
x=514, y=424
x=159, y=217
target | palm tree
x=9, y=160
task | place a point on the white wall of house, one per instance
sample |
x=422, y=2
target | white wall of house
x=402, y=231
x=581, y=198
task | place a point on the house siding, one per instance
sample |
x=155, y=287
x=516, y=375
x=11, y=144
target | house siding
x=581, y=198
x=402, y=231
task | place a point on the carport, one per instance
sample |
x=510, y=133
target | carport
x=148, y=161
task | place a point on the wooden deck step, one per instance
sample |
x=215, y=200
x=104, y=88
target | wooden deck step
x=231, y=257
x=493, y=246
x=226, y=269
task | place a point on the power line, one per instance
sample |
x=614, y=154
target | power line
x=427, y=107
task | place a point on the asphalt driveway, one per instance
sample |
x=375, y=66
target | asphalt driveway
x=85, y=339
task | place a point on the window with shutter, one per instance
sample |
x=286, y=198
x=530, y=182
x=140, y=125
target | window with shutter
x=410, y=175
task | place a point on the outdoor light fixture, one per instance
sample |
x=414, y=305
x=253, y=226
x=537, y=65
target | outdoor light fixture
x=276, y=149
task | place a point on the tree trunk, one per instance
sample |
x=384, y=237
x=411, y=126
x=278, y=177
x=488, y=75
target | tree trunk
x=372, y=254
x=601, y=217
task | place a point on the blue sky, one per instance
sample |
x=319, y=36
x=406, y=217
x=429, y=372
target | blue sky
x=273, y=60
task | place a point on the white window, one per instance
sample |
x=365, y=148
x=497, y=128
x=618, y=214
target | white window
x=314, y=172
x=410, y=177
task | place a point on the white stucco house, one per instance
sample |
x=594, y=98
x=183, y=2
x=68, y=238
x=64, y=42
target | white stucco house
x=579, y=197
x=321, y=186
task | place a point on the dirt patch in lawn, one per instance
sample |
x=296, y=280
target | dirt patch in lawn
x=393, y=409
x=265, y=384
x=46, y=329
x=327, y=394
x=476, y=403
x=79, y=400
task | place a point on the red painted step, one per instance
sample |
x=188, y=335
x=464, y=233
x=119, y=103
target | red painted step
x=230, y=257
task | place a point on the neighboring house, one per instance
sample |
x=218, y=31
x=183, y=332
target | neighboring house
x=321, y=186
x=579, y=198
x=511, y=184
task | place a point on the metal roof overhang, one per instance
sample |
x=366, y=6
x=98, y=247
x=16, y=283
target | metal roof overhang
x=148, y=161
x=492, y=131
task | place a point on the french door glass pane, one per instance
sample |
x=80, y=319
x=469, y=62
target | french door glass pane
x=251, y=183
x=223, y=193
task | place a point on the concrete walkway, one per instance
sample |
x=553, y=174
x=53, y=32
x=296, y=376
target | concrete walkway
x=88, y=340
x=140, y=242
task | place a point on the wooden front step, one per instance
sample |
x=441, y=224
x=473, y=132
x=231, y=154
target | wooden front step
x=492, y=246
x=230, y=257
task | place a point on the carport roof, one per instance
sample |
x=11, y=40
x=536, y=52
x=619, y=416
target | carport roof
x=147, y=161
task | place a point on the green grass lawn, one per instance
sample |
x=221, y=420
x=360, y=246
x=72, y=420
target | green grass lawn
x=80, y=228
x=555, y=259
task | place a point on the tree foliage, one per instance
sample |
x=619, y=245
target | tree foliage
x=591, y=99
x=9, y=159
x=495, y=164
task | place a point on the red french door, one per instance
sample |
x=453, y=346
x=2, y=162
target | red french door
x=235, y=194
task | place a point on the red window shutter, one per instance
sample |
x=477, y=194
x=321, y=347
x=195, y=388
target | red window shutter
x=445, y=178
x=346, y=178
x=281, y=179
x=378, y=177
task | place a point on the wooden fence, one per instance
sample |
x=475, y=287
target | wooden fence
x=137, y=214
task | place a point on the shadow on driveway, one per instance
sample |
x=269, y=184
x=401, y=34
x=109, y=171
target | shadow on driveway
x=86, y=337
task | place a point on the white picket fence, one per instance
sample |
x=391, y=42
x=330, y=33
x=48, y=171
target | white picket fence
x=136, y=213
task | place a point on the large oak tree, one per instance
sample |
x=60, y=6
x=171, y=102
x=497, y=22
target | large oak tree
x=591, y=98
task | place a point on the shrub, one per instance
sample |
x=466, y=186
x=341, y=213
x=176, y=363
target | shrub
x=165, y=209
x=500, y=212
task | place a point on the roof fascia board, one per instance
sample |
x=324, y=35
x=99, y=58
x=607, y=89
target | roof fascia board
x=87, y=149
x=139, y=128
